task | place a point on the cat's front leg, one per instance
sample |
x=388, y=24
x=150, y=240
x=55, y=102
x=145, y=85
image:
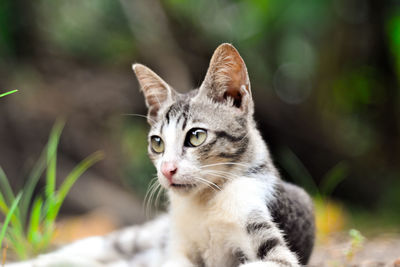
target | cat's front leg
x=269, y=245
x=179, y=251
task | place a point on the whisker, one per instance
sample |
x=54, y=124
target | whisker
x=149, y=188
x=208, y=185
x=221, y=175
x=148, y=200
x=139, y=115
x=151, y=201
x=154, y=185
x=208, y=182
x=228, y=174
x=160, y=192
x=155, y=192
x=225, y=163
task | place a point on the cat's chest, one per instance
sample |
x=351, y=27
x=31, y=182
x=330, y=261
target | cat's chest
x=216, y=230
x=208, y=226
x=211, y=235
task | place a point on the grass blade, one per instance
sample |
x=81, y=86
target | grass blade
x=8, y=218
x=33, y=229
x=8, y=93
x=5, y=185
x=52, y=210
x=31, y=183
x=18, y=244
x=3, y=205
x=74, y=175
x=9, y=198
x=52, y=157
x=36, y=173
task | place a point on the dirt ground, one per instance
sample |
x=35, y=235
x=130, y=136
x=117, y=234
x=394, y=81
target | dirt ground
x=380, y=251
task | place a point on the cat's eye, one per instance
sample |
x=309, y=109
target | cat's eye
x=195, y=137
x=157, y=144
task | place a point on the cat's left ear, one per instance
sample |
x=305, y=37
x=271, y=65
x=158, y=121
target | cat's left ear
x=156, y=91
x=227, y=78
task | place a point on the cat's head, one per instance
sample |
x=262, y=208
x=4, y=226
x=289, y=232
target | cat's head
x=200, y=139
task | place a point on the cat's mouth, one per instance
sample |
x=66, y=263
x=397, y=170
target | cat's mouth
x=182, y=186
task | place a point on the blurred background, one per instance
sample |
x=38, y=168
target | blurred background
x=325, y=78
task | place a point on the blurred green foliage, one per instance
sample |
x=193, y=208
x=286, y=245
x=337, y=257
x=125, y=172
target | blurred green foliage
x=393, y=32
x=95, y=30
x=325, y=76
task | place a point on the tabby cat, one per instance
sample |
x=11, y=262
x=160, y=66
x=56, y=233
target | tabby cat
x=228, y=205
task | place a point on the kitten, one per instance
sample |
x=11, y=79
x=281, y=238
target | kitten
x=228, y=206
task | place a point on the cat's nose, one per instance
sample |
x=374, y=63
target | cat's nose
x=168, y=169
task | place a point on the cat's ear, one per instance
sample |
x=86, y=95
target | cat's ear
x=156, y=91
x=227, y=78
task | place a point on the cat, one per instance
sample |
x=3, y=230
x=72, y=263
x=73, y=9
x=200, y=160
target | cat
x=227, y=203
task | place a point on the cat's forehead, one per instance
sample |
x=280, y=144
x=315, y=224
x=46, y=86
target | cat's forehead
x=187, y=109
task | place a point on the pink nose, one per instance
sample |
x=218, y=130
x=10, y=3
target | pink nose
x=168, y=169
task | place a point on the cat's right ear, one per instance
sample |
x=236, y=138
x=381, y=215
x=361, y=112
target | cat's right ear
x=227, y=80
x=156, y=91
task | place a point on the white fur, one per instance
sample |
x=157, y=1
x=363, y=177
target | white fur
x=217, y=229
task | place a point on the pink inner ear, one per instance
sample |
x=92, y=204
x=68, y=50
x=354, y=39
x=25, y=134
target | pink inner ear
x=237, y=74
x=227, y=77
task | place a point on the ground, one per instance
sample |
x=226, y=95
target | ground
x=380, y=251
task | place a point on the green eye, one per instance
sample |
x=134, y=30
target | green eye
x=157, y=144
x=195, y=137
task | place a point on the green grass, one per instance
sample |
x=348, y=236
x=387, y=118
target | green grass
x=356, y=243
x=28, y=230
x=10, y=213
x=8, y=93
